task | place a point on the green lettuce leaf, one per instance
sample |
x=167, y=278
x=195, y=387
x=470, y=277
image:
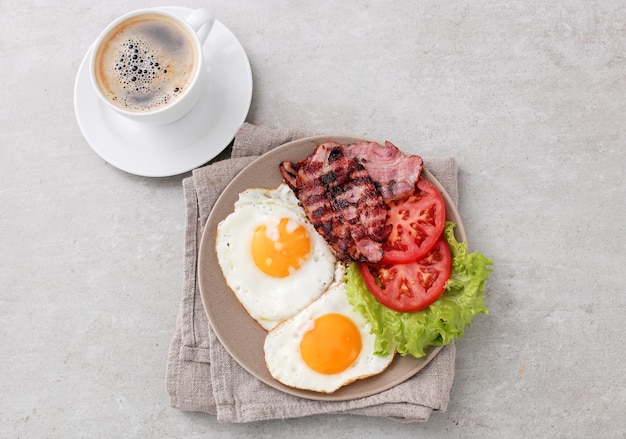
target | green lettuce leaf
x=442, y=321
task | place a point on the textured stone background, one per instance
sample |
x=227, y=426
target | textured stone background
x=529, y=96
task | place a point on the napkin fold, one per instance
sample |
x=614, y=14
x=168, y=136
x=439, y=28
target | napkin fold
x=201, y=375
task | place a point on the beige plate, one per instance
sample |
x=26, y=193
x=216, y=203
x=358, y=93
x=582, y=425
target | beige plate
x=241, y=335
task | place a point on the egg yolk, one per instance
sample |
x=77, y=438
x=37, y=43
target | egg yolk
x=279, y=250
x=332, y=345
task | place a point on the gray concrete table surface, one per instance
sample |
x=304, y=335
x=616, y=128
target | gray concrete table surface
x=528, y=96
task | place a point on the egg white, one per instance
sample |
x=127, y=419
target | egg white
x=270, y=300
x=282, y=346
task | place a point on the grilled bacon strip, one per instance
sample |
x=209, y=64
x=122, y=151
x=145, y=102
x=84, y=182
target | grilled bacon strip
x=341, y=201
x=394, y=173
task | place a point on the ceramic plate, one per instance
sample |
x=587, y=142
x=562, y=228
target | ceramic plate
x=241, y=335
x=159, y=151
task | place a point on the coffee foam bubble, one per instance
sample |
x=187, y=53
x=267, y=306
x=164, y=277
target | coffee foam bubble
x=145, y=64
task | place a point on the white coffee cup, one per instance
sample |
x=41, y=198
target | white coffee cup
x=147, y=65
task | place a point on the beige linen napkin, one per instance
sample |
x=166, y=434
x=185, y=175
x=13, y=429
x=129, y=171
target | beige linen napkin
x=202, y=376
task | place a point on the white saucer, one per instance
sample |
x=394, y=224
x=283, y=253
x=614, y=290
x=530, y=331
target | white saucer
x=165, y=150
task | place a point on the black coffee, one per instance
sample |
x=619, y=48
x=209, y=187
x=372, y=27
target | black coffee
x=145, y=62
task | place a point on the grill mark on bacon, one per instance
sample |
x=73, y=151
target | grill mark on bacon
x=341, y=201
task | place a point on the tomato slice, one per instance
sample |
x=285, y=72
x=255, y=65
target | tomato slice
x=413, y=286
x=417, y=223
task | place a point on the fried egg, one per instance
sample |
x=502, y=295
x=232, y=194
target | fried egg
x=271, y=256
x=325, y=346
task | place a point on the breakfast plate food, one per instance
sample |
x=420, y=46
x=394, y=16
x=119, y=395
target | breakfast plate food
x=241, y=335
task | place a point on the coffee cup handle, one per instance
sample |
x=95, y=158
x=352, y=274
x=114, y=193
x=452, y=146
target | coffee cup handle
x=201, y=20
